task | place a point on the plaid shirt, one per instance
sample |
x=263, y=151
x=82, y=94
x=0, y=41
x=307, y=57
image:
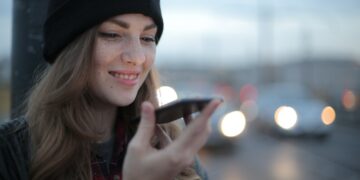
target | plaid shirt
x=99, y=167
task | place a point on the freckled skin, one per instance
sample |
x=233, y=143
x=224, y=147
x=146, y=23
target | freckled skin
x=125, y=49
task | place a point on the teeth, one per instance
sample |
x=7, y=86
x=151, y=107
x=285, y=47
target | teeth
x=125, y=76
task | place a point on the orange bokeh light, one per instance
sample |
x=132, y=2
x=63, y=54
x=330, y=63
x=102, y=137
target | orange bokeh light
x=349, y=100
x=328, y=115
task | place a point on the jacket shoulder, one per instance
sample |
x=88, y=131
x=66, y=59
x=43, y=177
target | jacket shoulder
x=13, y=126
x=14, y=149
x=14, y=135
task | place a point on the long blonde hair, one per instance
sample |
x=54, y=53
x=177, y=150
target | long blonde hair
x=61, y=123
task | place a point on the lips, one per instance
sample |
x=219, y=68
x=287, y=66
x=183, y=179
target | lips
x=125, y=77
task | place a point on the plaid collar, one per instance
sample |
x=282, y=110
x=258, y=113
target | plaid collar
x=99, y=167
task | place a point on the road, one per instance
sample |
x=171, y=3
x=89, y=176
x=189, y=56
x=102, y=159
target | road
x=259, y=156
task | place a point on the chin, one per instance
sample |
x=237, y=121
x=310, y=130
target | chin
x=124, y=101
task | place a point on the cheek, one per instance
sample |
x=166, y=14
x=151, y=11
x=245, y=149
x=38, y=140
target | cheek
x=100, y=58
x=97, y=81
x=103, y=53
x=150, y=58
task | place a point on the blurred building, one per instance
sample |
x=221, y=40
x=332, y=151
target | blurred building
x=335, y=81
x=329, y=76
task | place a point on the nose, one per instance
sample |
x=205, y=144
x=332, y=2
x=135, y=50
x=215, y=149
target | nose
x=133, y=53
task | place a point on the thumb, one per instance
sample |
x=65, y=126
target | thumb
x=147, y=123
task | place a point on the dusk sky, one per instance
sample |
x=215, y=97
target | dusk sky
x=206, y=31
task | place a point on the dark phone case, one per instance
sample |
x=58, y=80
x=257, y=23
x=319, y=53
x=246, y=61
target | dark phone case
x=178, y=109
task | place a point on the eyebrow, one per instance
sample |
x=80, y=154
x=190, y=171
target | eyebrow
x=126, y=25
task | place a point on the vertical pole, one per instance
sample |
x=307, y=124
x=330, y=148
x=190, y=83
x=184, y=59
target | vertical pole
x=26, y=53
x=265, y=41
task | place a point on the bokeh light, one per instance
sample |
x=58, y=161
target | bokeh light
x=328, y=115
x=166, y=94
x=286, y=117
x=349, y=100
x=250, y=109
x=248, y=92
x=232, y=124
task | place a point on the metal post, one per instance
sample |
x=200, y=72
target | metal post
x=265, y=41
x=26, y=53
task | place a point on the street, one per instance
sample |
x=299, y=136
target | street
x=260, y=156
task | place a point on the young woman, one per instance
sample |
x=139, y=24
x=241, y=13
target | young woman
x=77, y=121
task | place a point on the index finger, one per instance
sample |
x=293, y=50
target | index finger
x=196, y=133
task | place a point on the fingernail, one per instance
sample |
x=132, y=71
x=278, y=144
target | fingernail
x=219, y=100
x=144, y=108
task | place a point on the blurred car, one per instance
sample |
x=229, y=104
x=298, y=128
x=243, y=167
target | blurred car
x=291, y=109
x=227, y=126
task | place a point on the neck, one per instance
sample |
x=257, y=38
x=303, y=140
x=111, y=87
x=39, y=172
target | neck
x=105, y=120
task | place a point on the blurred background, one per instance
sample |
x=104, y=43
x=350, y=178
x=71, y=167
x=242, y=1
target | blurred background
x=289, y=74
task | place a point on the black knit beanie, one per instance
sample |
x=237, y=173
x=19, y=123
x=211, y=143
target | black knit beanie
x=67, y=19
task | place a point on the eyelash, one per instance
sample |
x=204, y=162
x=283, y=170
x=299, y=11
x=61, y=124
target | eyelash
x=109, y=35
x=148, y=39
x=115, y=35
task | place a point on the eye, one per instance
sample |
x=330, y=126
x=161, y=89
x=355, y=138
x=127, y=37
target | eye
x=109, y=35
x=148, y=39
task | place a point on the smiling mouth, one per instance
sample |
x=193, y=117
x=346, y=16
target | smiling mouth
x=132, y=76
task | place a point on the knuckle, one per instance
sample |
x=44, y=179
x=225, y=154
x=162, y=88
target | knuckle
x=188, y=161
x=202, y=131
x=183, y=160
x=175, y=160
x=134, y=146
x=198, y=132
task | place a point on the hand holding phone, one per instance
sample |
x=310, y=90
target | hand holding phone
x=143, y=159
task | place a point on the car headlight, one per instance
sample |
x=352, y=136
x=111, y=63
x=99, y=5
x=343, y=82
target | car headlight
x=232, y=124
x=328, y=115
x=285, y=117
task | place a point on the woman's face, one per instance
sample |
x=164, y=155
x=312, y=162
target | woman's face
x=124, y=54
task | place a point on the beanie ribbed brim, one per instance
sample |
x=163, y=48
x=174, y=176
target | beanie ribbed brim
x=73, y=17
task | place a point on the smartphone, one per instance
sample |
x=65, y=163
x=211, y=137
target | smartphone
x=178, y=109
